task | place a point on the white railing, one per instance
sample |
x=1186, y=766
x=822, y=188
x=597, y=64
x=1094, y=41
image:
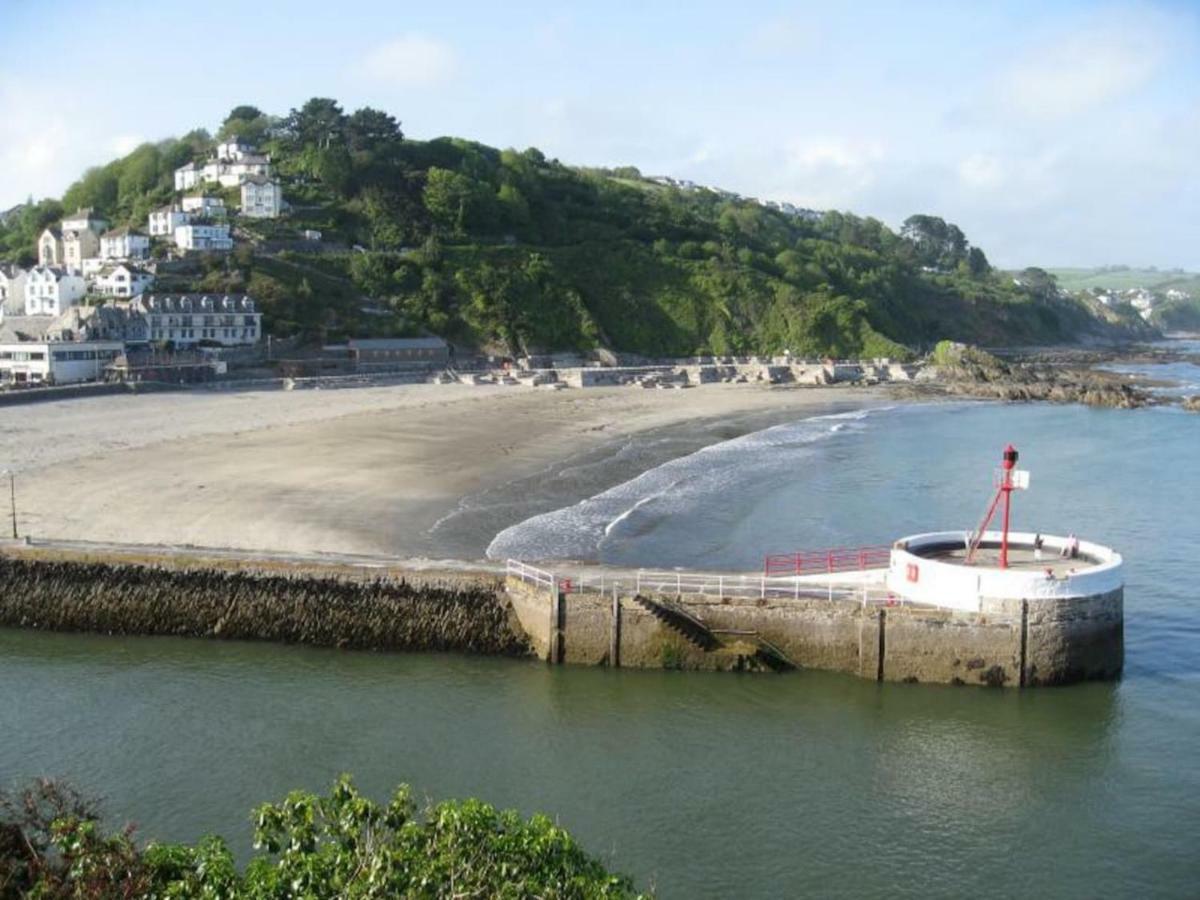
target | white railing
x=680, y=584
x=514, y=568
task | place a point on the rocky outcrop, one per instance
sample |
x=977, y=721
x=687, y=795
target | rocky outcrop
x=1192, y=404
x=959, y=370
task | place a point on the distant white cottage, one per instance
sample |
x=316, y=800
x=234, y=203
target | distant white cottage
x=12, y=290
x=234, y=149
x=123, y=281
x=50, y=290
x=204, y=207
x=262, y=198
x=124, y=243
x=164, y=220
x=203, y=237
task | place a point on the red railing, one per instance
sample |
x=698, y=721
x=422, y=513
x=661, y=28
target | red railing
x=816, y=562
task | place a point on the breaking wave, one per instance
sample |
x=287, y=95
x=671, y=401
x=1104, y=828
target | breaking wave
x=700, y=481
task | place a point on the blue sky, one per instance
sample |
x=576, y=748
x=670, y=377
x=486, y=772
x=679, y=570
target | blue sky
x=1053, y=133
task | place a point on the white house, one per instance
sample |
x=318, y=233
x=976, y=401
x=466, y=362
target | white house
x=187, y=176
x=165, y=219
x=85, y=219
x=187, y=319
x=12, y=290
x=262, y=198
x=227, y=173
x=204, y=207
x=124, y=243
x=49, y=290
x=56, y=362
x=123, y=281
x=249, y=166
x=203, y=237
x=233, y=149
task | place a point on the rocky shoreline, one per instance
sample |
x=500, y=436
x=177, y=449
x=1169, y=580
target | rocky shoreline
x=1057, y=376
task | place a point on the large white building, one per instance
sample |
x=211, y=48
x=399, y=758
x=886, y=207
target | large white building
x=56, y=362
x=203, y=237
x=124, y=243
x=164, y=220
x=262, y=198
x=49, y=290
x=122, y=280
x=188, y=319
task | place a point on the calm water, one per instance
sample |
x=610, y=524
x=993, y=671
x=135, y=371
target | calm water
x=714, y=784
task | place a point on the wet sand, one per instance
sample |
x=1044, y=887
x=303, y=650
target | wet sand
x=428, y=471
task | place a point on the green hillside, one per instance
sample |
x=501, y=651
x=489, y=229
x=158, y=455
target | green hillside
x=510, y=250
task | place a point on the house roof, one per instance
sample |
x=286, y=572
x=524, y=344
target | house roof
x=121, y=232
x=418, y=343
x=259, y=179
x=57, y=232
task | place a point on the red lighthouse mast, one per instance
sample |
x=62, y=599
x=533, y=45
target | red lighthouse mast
x=1004, y=488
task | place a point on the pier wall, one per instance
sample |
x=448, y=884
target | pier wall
x=1012, y=643
x=321, y=609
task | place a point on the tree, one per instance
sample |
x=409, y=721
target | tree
x=247, y=122
x=369, y=130
x=319, y=123
x=454, y=201
x=339, y=845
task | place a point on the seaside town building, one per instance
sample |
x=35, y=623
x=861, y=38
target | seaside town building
x=228, y=320
x=12, y=290
x=56, y=362
x=164, y=220
x=203, y=207
x=109, y=322
x=124, y=243
x=262, y=198
x=122, y=280
x=234, y=149
x=203, y=237
x=49, y=290
x=81, y=238
x=50, y=247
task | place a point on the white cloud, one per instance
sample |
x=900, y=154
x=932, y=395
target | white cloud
x=832, y=171
x=411, y=60
x=1087, y=68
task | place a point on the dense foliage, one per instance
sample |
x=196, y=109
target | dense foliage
x=52, y=845
x=512, y=250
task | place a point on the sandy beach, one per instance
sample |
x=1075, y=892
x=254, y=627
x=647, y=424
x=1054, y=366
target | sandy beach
x=428, y=471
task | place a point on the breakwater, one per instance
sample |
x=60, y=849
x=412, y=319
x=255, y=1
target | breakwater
x=295, y=607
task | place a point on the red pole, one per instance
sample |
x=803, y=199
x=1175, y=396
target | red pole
x=1007, y=507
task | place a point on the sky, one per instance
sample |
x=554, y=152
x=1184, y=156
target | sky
x=1054, y=133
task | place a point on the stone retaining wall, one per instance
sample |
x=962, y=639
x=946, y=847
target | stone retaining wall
x=1014, y=643
x=381, y=614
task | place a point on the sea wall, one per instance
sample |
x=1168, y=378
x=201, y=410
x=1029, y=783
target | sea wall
x=381, y=613
x=1014, y=643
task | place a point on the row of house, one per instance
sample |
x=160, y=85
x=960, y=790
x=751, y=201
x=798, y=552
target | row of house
x=78, y=344
x=237, y=164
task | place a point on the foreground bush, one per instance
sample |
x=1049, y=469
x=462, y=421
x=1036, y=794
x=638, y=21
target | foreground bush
x=52, y=845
